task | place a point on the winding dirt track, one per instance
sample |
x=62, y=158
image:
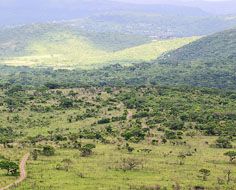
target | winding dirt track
x=23, y=173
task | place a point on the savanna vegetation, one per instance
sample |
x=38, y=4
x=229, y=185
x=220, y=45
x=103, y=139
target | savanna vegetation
x=118, y=137
x=122, y=97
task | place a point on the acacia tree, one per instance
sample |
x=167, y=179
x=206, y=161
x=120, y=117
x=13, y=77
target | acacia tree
x=48, y=151
x=231, y=155
x=86, y=150
x=130, y=164
x=11, y=167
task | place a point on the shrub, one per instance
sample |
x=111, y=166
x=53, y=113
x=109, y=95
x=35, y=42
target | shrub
x=130, y=164
x=173, y=134
x=135, y=134
x=231, y=155
x=64, y=165
x=66, y=103
x=204, y=173
x=11, y=167
x=86, y=150
x=223, y=142
x=104, y=121
x=48, y=151
x=175, y=125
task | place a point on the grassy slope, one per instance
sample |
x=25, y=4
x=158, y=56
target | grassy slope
x=63, y=49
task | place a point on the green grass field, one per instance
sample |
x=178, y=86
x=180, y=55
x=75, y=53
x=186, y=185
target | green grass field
x=100, y=171
x=65, y=50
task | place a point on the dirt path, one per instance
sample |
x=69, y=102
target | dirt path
x=23, y=173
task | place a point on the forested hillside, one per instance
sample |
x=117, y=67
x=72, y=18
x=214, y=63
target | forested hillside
x=213, y=49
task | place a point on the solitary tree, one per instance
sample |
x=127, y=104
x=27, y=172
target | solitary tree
x=86, y=150
x=204, y=173
x=35, y=154
x=130, y=164
x=48, y=151
x=228, y=173
x=11, y=167
x=231, y=155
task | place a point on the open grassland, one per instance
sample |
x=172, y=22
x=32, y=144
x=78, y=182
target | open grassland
x=65, y=50
x=145, y=138
x=101, y=171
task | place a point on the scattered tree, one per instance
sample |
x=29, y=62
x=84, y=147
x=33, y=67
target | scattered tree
x=48, y=151
x=204, y=174
x=231, y=155
x=11, y=167
x=87, y=150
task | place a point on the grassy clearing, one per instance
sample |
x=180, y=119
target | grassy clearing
x=101, y=171
x=67, y=50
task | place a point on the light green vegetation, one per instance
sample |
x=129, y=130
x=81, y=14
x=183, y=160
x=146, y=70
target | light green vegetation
x=65, y=50
x=50, y=117
x=101, y=171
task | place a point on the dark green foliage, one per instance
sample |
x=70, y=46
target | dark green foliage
x=223, y=142
x=104, y=121
x=66, y=103
x=87, y=150
x=172, y=134
x=134, y=134
x=175, y=125
x=231, y=155
x=48, y=151
x=204, y=173
x=11, y=167
x=35, y=154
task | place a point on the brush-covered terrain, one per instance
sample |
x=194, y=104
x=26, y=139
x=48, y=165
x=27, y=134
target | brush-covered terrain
x=119, y=138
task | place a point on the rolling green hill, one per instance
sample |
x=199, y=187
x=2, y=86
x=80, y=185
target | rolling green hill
x=15, y=40
x=61, y=47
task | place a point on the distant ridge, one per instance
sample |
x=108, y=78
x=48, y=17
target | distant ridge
x=25, y=12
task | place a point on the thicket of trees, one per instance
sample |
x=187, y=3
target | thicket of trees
x=198, y=74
